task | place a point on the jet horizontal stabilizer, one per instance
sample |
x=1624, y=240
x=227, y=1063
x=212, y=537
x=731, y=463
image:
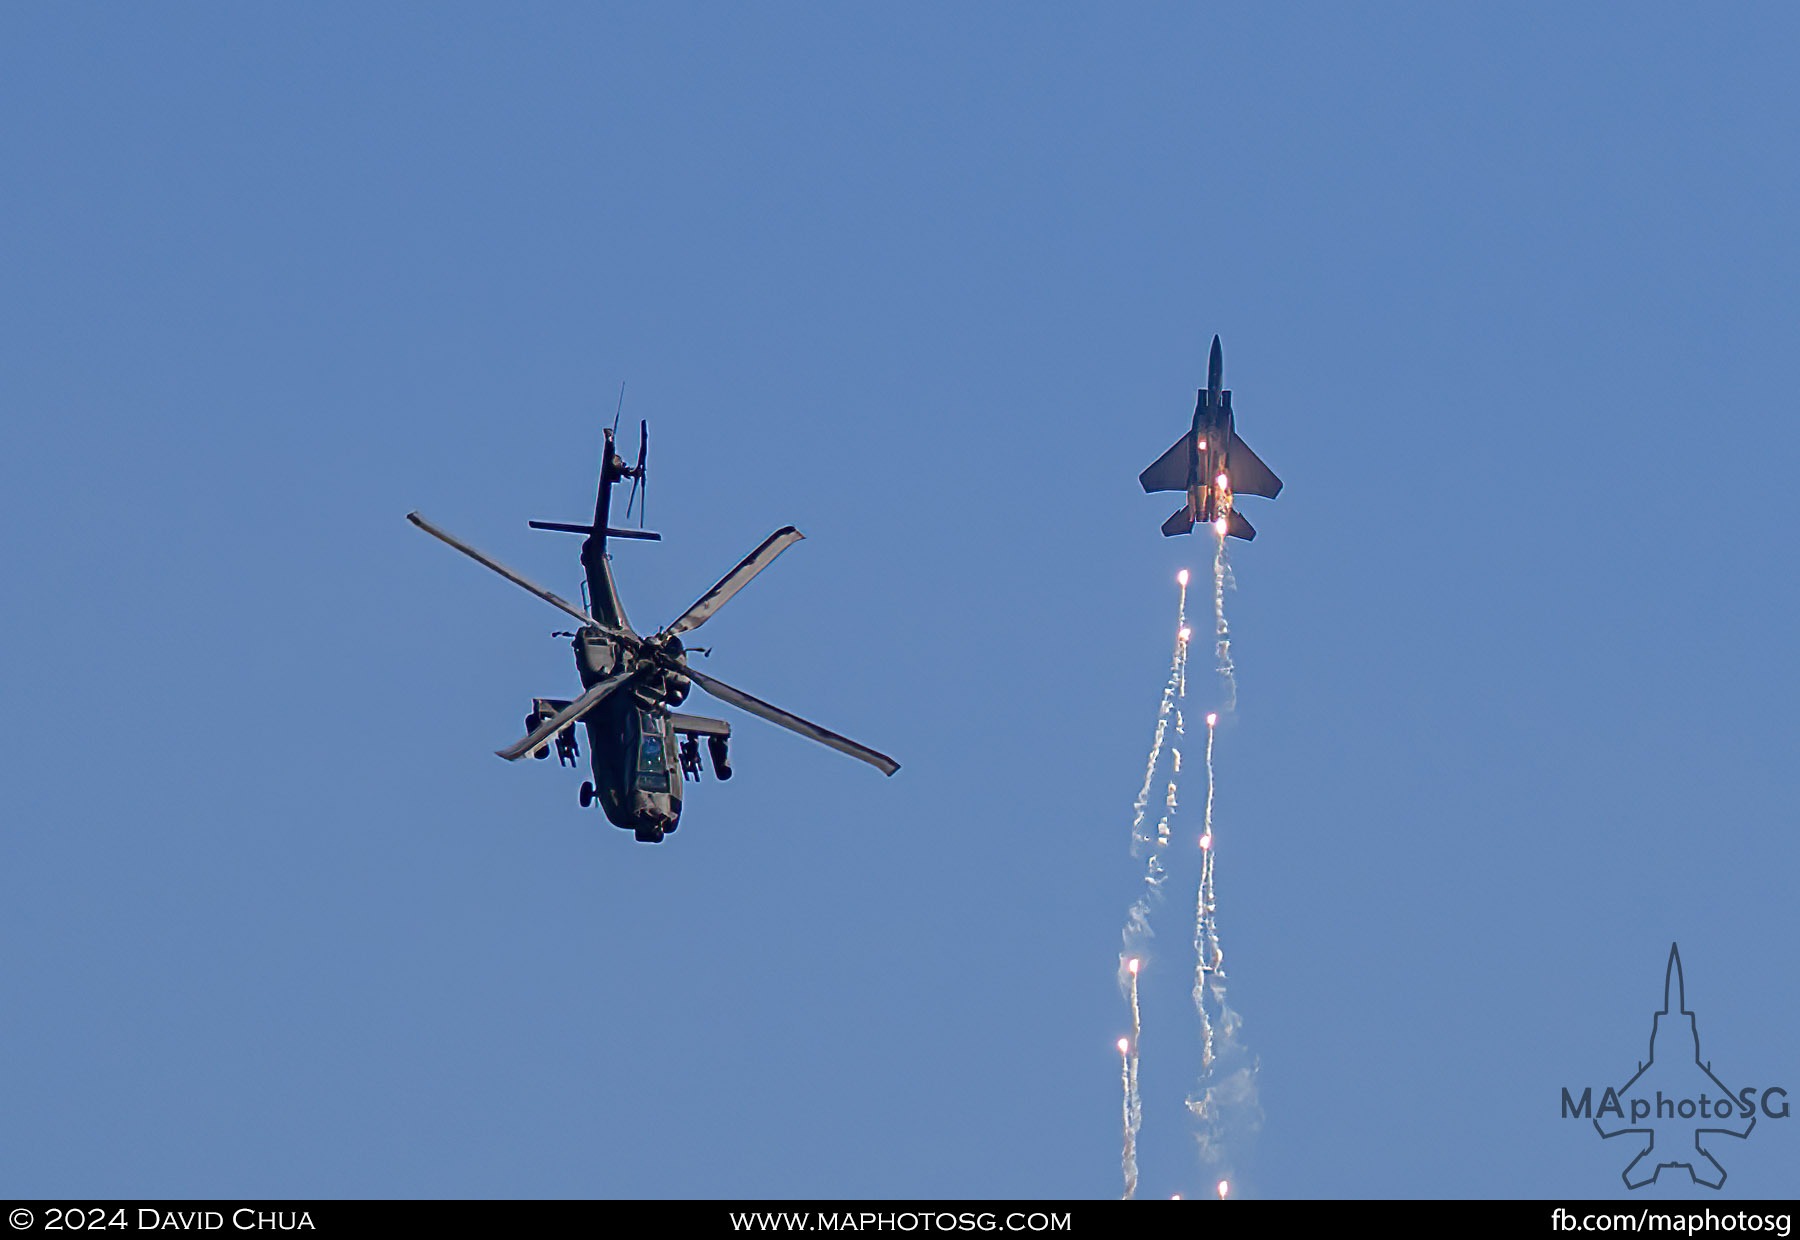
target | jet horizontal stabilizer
x=1180, y=523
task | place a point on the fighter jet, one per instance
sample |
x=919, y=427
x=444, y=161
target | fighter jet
x=1211, y=464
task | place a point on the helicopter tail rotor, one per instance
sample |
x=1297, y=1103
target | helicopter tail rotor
x=640, y=479
x=611, y=470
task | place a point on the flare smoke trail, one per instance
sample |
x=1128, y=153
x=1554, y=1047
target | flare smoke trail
x=1206, y=925
x=1137, y=931
x=1134, y=1101
x=1137, y=1015
x=1175, y=687
x=1225, y=1103
x=1223, y=581
x=1129, y=1157
x=1202, y=913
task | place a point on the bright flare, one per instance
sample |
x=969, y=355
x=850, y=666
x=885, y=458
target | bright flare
x=1132, y=964
x=1181, y=578
x=1224, y=1187
x=1184, y=635
x=1124, y=1047
x=1206, y=841
x=1219, y=527
x=1221, y=482
x=1212, y=719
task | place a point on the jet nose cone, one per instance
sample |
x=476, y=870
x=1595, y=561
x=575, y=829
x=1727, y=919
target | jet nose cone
x=1215, y=366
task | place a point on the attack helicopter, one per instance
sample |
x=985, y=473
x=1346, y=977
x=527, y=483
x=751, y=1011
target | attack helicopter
x=640, y=749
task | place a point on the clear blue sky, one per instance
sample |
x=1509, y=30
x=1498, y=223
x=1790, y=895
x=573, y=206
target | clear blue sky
x=1508, y=296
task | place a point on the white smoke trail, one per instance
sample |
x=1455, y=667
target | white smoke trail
x=1137, y=1015
x=1128, y=1158
x=1138, y=920
x=1202, y=912
x=1223, y=581
x=1209, y=955
x=1225, y=1103
x=1134, y=1102
x=1138, y=932
x=1137, y=1115
x=1174, y=688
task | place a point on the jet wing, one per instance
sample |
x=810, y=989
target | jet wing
x=1249, y=476
x=1169, y=472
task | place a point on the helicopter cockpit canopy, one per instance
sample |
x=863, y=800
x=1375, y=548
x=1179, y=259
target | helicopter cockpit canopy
x=656, y=752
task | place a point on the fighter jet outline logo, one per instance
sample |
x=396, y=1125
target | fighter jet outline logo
x=1675, y=1139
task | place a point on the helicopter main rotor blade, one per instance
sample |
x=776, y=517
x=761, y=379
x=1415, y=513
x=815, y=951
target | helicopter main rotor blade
x=792, y=722
x=735, y=580
x=488, y=561
x=564, y=717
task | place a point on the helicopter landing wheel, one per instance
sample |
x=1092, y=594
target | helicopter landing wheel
x=587, y=794
x=649, y=835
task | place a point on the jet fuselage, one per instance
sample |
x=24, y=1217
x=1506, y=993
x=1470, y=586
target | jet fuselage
x=1211, y=464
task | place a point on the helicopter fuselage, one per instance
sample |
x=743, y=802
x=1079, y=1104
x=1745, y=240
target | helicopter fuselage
x=632, y=746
